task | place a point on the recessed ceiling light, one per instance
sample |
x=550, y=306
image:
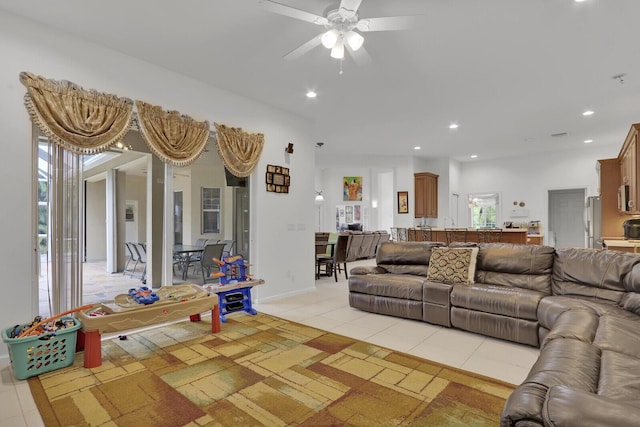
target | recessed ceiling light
x=453, y=126
x=588, y=141
x=417, y=148
x=588, y=113
x=311, y=94
x=474, y=156
x=579, y=1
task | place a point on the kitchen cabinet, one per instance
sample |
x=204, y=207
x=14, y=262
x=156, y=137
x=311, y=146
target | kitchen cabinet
x=426, y=195
x=535, y=239
x=609, y=180
x=628, y=159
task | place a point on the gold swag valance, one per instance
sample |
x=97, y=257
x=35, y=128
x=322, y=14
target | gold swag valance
x=79, y=120
x=240, y=151
x=176, y=139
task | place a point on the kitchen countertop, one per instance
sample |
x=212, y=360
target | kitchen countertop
x=622, y=243
x=504, y=230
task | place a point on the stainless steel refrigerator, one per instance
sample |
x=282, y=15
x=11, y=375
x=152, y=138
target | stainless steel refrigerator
x=594, y=222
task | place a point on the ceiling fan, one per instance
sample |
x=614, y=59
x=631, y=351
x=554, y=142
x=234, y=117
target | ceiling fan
x=342, y=28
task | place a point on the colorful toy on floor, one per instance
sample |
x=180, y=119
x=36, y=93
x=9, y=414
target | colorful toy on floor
x=143, y=295
x=232, y=270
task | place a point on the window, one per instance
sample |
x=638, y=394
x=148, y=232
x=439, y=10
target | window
x=210, y=210
x=484, y=210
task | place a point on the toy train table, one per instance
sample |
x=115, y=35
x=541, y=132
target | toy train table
x=143, y=307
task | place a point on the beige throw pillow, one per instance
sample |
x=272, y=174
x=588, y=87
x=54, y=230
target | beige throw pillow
x=452, y=265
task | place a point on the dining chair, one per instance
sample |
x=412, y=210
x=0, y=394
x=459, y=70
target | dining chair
x=489, y=235
x=195, y=257
x=340, y=255
x=228, y=247
x=326, y=259
x=321, y=238
x=338, y=261
x=402, y=234
x=394, y=234
x=207, y=261
x=131, y=257
x=141, y=252
x=455, y=235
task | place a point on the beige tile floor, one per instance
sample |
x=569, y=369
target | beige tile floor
x=326, y=307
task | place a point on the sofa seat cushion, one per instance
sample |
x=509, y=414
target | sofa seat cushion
x=619, y=376
x=512, y=302
x=565, y=406
x=403, y=286
x=553, y=306
x=619, y=334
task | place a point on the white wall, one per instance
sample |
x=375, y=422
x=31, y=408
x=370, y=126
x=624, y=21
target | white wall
x=530, y=178
x=279, y=222
x=330, y=172
x=527, y=178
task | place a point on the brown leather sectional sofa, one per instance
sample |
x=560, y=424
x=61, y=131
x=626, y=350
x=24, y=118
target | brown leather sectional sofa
x=581, y=307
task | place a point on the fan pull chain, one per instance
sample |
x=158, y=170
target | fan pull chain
x=341, y=61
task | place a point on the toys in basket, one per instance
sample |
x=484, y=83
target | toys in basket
x=232, y=269
x=43, y=344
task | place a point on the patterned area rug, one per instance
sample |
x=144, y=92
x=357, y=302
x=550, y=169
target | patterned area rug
x=262, y=370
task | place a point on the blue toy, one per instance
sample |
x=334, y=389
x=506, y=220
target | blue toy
x=232, y=270
x=143, y=295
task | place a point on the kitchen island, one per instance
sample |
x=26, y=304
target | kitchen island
x=509, y=235
x=622, y=245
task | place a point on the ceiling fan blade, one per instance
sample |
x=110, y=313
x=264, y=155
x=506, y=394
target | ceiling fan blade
x=389, y=23
x=304, y=48
x=350, y=5
x=292, y=12
x=360, y=56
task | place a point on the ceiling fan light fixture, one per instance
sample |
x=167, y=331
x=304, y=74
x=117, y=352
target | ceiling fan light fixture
x=337, y=51
x=330, y=38
x=354, y=40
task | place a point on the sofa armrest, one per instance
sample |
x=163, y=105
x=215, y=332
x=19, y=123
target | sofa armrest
x=367, y=270
x=565, y=406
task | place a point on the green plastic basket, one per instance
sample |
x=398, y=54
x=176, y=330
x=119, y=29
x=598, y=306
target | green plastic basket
x=35, y=355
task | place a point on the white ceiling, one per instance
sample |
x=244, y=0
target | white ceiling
x=510, y=72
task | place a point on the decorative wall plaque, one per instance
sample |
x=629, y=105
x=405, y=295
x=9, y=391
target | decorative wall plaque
x=277, y=179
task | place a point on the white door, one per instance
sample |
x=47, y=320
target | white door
x=567, y=218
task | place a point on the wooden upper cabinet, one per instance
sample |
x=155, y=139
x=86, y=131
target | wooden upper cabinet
x=612, y=218
x=426, y=195
x=628, y=158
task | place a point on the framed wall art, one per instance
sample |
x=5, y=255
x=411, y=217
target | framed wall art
x=403, y=202
x=352, y=188
x=277, y=179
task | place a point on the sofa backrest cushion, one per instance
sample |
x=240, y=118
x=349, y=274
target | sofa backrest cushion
x=405, y=257
x=599, y=274
x=519, y=266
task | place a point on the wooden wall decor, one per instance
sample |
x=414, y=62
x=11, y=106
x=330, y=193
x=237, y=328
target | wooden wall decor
x=278, y=179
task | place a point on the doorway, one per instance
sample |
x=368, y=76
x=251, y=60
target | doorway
x=567, y=218
x=455, y=199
